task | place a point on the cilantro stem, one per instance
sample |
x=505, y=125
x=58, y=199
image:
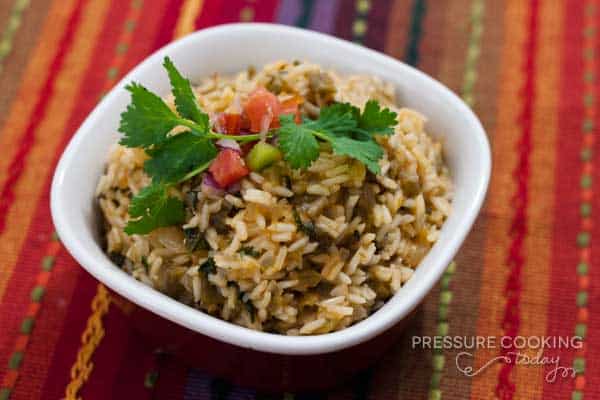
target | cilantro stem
x=214, y=135
x=320, y=135
x=195, y=171
x=237, y=138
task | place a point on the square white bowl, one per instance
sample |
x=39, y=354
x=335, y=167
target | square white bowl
x=231, y=48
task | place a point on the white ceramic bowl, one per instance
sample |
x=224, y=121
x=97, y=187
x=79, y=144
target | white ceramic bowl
x=229, y=49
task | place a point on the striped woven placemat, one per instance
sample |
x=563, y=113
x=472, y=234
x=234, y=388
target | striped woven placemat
x=528, y=68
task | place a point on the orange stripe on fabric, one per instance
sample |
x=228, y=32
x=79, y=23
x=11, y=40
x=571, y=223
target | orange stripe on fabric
x=33, y=81
x=537, y=269
x=94, y=332
x=397, y=35
x=48, y=136
x=190, y=11
x=499, y=206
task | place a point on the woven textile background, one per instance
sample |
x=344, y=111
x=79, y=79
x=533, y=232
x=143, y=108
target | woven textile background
x=529, y=68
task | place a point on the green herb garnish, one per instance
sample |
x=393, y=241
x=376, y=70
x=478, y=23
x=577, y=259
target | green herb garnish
x=349, y=132
x=194, y=240
x=307, y=227
x=153, y=208
x=148, y=123
x=250, y=251
x=208, y=267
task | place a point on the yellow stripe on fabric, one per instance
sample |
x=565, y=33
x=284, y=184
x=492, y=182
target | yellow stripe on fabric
x=30, y=188
x=187, y=18
x=11, y=28
x=90, y=339
x=538, y=246
x=499, y=203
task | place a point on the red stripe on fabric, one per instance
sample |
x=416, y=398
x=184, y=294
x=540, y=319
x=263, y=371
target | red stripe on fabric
x=563, y=282
x=505, y=388
x=107, y=358
x=136, y=363
x=48, y=328
x=221, y=12
x=165, y=34
x=264, y=11
x=17, y=164
x=152, y=21
x=209, y=14
x=345, y=19
x=378, y=24
x=58, y=375
x=16, y=302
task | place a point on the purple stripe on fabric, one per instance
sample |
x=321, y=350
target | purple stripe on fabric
x=197, y=386
x=323, y=16
x=289, y=11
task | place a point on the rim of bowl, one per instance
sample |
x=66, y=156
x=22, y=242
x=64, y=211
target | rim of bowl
x=224, y=331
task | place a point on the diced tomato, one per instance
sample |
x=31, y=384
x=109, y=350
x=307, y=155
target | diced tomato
x=229, y=124
x=262, y=108
x=228, y=168
x=291, y=106
x=245, y=123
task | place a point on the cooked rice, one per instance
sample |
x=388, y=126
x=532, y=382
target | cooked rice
x=370, y=232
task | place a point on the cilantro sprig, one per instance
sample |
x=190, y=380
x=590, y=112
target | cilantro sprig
x=349, y=132
x=149, y=123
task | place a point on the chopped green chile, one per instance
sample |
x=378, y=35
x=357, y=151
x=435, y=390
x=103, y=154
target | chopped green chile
x=194, y=240
x=262, y=155
x=250, y=251
x=117, y=258
x=208, y=266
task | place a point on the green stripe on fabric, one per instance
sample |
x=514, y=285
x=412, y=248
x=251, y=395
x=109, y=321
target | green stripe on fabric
x=27, y=325
x=306, y=14
x=4, y=394
x=582, y=268
x=37, y=293
x=12, y=25
x=415, y=32
x=48, y=263
x=360, y=25
x=15, y=360
x=150, y=379
x=473, y=54
x=579, y=365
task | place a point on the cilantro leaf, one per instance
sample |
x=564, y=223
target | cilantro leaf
x=338, y=118
x=185, y=99
x=147, y=119
x=300, y=148
x=153, y=208
x=366, y=151
x=375, y=120
x=178, y=156
x=342, y=124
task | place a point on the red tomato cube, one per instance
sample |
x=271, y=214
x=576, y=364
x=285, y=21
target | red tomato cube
x=228, y=168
